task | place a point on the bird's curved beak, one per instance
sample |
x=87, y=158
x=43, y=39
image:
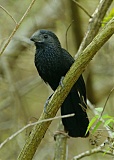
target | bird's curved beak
x=32, y=39
x=35, y=38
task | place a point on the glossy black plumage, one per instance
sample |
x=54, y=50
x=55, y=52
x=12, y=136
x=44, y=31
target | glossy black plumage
x=53, y=62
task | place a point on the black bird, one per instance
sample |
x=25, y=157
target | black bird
x=52, y=63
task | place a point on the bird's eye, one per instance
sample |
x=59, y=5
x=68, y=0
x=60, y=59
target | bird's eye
x=45, y=36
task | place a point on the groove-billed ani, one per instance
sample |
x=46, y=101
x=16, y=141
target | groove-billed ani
x=52, y=63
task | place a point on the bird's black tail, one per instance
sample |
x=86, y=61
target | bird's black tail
x=75, y=102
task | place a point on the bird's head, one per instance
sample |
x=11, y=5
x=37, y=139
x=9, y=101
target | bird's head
x=44, y=37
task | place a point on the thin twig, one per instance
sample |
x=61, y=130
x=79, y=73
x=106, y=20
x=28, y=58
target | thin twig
x=17, y=26
x=93, y=151
x=32, y=124
x=67, y=34
x=106, y=103
x=9, y=14
x=79, y=5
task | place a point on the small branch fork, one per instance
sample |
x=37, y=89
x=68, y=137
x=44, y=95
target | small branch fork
x=79, y=5
x=93, y=151
x=9, y=14
x=17, y=24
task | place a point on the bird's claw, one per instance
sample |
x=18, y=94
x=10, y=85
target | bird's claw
x=62, y=133
x=47, y=101
x=61, y=81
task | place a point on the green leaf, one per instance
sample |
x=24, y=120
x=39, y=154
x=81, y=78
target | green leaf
x=91, y=123
x=96, y=126
x=108, y=17
x=106, y=116
x=107, y=122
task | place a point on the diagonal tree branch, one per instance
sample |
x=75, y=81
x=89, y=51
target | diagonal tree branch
x=17, y=26
x=93, y=28
x=94, y=24
x=60, y=94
